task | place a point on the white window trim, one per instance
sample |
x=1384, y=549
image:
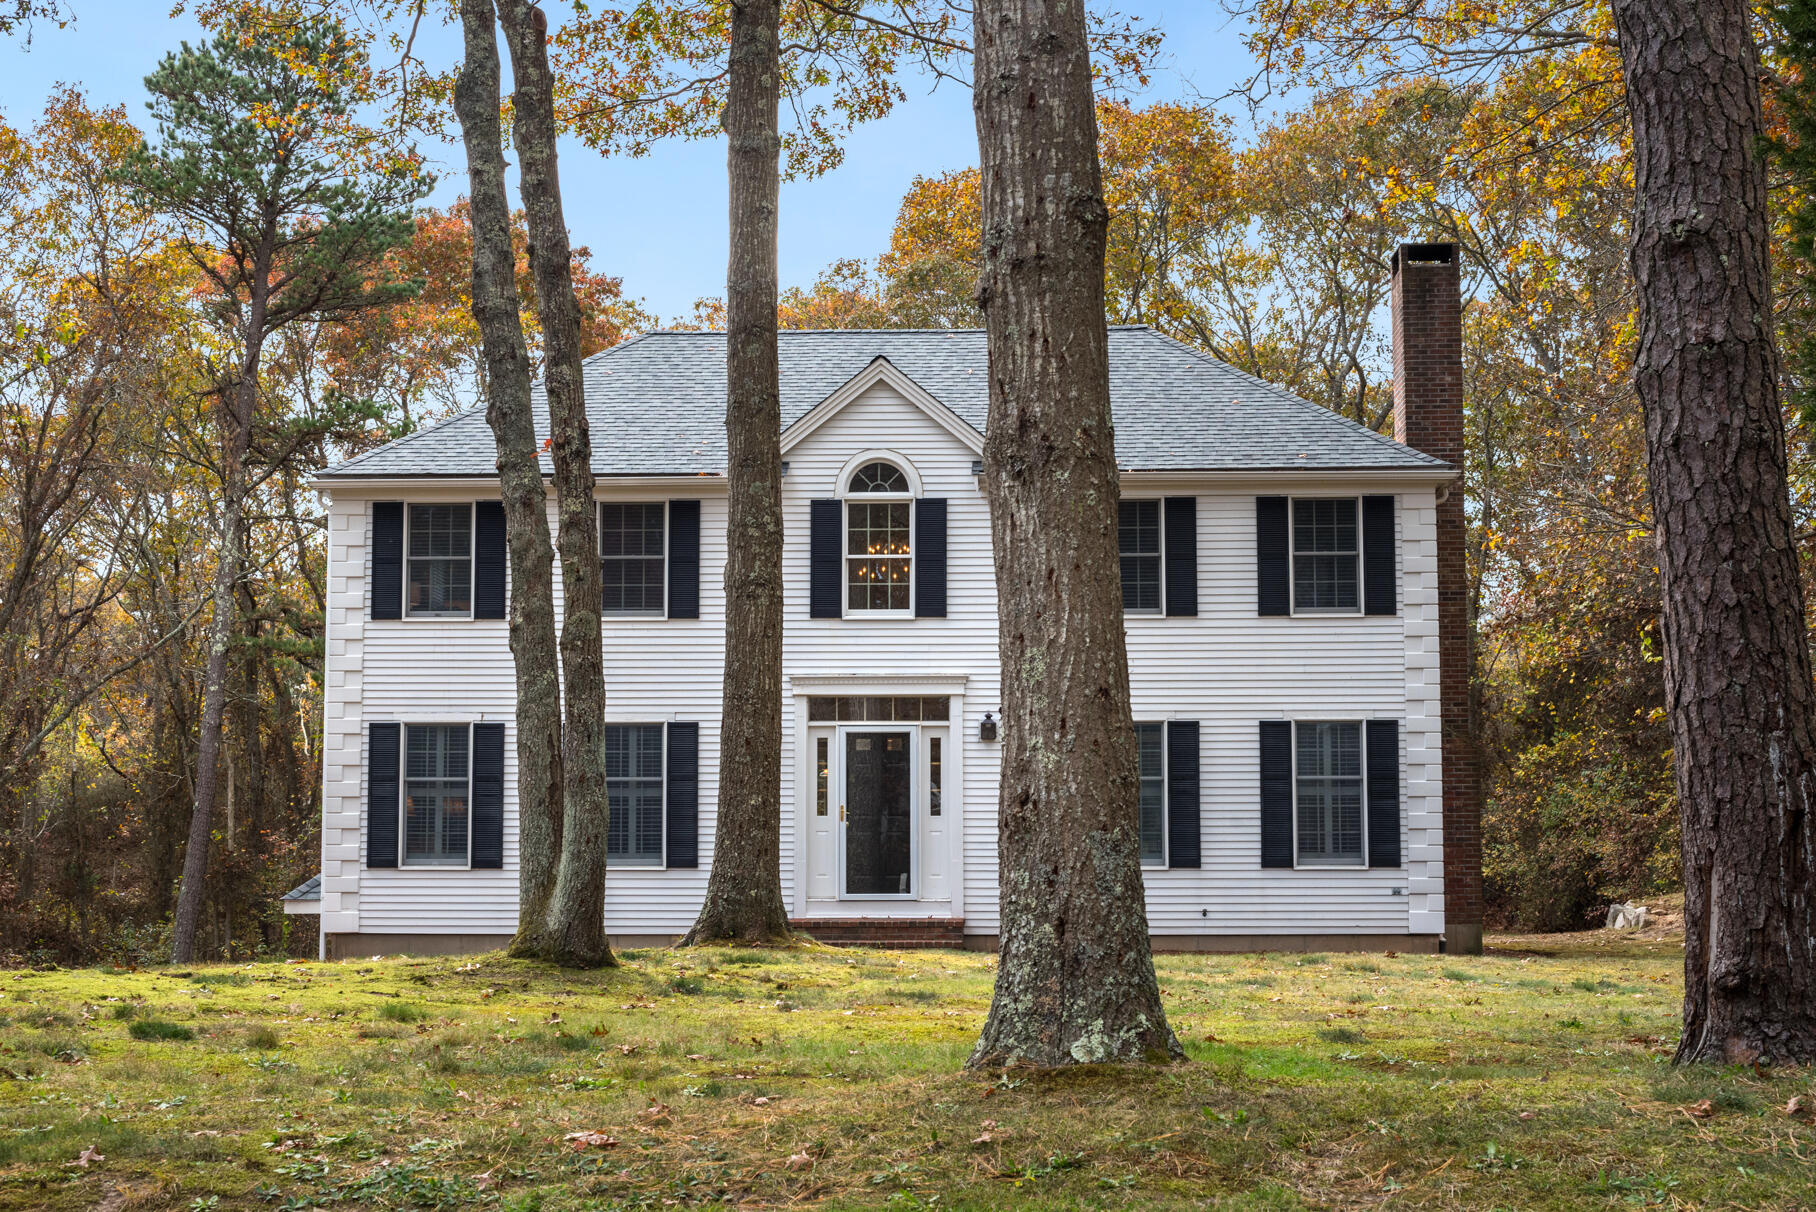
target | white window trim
x=626, y=864
x=667, y=537
x=1292, y=566
x=443, y=616
x=1160, y=513
x=1361, y=724
x=1166, y=804
x=848, y=498
x=403, y=795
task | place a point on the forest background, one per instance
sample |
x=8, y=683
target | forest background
x=1259, y=235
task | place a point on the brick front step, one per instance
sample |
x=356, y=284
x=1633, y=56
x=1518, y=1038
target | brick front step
x=884, y=932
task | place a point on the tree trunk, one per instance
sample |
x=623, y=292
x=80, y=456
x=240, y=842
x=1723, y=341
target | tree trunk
x=574, y=930
x=1075, y=981
x=237, y=416
x=744, y=889
x=1737, y=669
x=508, y=410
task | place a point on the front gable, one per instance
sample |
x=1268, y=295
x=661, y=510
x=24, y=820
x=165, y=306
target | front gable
x=881, y=372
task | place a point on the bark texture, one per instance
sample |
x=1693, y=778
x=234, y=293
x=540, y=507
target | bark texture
x=744, y=889
x=534, y=650
x=1075, y=982
x=573, y=930
x=1737, y=669
x=236, y=419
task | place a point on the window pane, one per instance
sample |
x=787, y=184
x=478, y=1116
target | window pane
x=1329, y=764
x=631, y=537
x=933, y=776
x=1138, y=535
x=877, y=550
x=441, y=569
x=821, y=768
x=633, y=787
x=1150, y=748
x=1325, y=564
x=435, y=795
x=879, y=477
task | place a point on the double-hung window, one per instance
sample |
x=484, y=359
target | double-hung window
x=1151, y=749
x=1328, y=793
x=633, y=787
x=1326, y=556
x=632, y=552
x=879, y=540
x=440, y=547
x=1138, y=538
x=437, y=784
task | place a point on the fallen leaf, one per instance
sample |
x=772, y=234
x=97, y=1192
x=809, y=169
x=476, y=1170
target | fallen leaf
x=1799, y=1108
x=798, y=1161
x=87, y=1156
x=628, y=1049
x=655, y=1113
x=593, y=1140
x=1210, y=1037
x=1701, y=1109
x=760, y=1102
x=1525, y=1115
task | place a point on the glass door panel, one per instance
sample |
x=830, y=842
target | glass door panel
x=879, y=817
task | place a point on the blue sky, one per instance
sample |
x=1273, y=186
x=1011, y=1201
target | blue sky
x=658, y=222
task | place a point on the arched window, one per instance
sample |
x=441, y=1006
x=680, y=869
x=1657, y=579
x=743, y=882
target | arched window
x=879, y=540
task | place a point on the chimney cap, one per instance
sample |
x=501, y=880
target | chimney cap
x=1426, y=254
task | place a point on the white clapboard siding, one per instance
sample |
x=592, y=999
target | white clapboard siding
x=1226, y=668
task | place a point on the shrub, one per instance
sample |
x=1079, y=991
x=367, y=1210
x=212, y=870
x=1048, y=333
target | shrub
x=158, y=1029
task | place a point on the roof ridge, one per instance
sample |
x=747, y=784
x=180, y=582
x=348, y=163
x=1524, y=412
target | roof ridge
x=1283, y=393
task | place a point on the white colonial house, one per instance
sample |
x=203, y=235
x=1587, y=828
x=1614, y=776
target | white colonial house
x=1281, y=584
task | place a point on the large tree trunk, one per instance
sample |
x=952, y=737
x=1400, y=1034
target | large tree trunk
x=1075, y=982
x=526, y=519
x=1737, y=668
x=744, y=890
x=574, y=930
x=236, y=416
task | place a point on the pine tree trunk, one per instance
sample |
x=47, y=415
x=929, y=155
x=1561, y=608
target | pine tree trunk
x=574, y=930
x=1075, y=981
x=1737, y=668
x=236, y=416
x=744, y=890
x=534, y=648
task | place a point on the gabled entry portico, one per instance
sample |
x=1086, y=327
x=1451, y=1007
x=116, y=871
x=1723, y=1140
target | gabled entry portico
x=879, y=810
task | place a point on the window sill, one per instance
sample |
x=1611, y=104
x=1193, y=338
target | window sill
x=853, y=616
x=426, y=617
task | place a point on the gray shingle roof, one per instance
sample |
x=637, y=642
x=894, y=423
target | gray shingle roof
x=309, y=890
x=657, y=402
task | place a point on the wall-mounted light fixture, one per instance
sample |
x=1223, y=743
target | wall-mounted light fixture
x=986, y=731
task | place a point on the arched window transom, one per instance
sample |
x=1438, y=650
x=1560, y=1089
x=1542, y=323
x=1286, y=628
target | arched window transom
x=879, y=477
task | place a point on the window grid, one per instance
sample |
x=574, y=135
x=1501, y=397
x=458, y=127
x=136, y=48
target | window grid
x=878, y=555
x=858, y=709
x=1326, y=555
x=440, y=560
x=634, y=793
x=1150, y=748
x=1328, y=772
x=1138, y=539
x=879, y=477
x=435, y=792
x=633, y=551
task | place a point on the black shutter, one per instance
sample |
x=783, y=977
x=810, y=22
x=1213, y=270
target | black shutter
x=683, y=795
x=1273, y=565
x=1181, y=558
x=1182, y=793
x=826, y=523
x=488, y=559
x=684, y=559
x=1378, y=555
x=387, y=559
x=930, y=558
x=1276, y=793
x=488, y=795
x=381, y=794
x=1383, y=793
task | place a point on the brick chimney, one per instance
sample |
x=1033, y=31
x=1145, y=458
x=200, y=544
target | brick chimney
x=1428, y=416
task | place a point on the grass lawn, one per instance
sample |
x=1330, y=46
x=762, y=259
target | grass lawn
x=1537, y=1077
